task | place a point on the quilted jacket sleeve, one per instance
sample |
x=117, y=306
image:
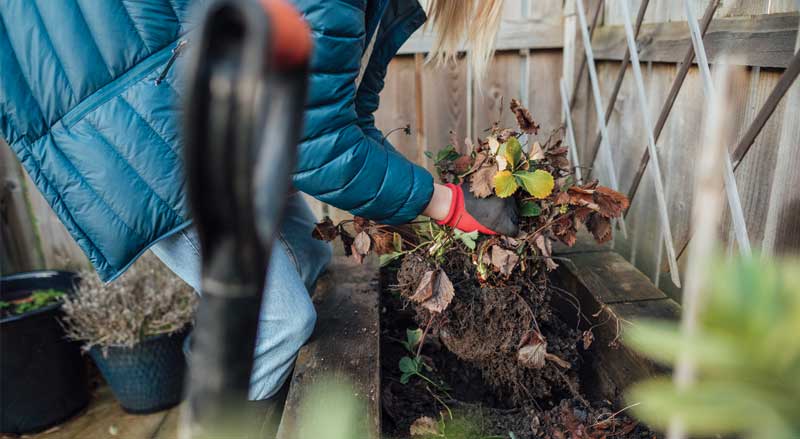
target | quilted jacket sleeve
x=338, y=162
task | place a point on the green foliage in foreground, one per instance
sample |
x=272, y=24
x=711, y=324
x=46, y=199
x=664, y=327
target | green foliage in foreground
x=333, y=411
x=747, y=354
x=38, y=299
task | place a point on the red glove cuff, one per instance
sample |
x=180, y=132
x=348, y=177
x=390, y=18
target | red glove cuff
x=458, y=217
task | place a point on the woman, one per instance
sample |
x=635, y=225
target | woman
x=87, y=102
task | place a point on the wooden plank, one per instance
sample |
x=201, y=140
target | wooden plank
x=613, y=365
x=20, y=246
x=755, y=172
x=543, y=92
x=397, y=106
x=782, y=231
x=104, y=418
x=787, y=79
x=345, y=344
x=61, y=252
x=169, y=428
x=418, y=107
x=500, y=85
x=763, y=40
x=609, y=277
x=444, y=104
x=513, y=35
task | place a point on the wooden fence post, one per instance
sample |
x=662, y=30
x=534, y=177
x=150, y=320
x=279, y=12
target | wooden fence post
x=20, y=246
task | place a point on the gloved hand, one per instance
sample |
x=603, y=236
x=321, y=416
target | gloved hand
x=492, y=215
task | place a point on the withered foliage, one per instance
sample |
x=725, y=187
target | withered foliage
x=147, y=300
x=497, y=315
x=539, y=177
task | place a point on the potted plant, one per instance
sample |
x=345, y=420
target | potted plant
x=134, y=329
x=42, y=374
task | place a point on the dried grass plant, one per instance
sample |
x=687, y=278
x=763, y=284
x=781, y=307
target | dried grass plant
x=147, y=300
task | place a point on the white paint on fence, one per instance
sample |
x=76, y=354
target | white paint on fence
x=573, y=147
x=605, y=147
x=731, y=190
x=655, y=167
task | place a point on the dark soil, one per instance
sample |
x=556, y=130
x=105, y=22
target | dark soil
x=472, y=347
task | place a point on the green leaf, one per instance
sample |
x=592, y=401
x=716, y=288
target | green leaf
x=663, y=342
x=429, y=154
x=397, y=242
x=413, y=337
x=512, y=151
x=467, y=238
x=387, y=259
x=448, y=153
x=529, y=209
x=405, y=377
x=504, y=184
x=710, y=407
x=408, y=365
x=538, y=183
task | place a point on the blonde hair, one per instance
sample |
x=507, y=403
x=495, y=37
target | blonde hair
x=474, y=22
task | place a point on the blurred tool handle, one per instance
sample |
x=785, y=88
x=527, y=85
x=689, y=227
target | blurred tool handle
x=247, y=79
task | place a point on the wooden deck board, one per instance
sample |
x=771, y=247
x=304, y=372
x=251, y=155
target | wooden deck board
x=345, y=345
x=105, y=419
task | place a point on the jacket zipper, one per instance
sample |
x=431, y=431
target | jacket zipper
x=112, y=89
x=176, y=52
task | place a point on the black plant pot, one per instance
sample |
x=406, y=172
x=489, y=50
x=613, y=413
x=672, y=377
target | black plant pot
x=42, y=374
x=147, y=377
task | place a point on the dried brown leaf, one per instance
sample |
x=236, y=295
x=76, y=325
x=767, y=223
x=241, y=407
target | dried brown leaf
x=546, y=249
x=360, y=224
x=600, y=227
x=611, y=203
x=582, y=197
x=482, y=181
x=325, y=230
x=424, y=290
x=564, y=229
x=443, y=293
x=493, y=143
x=347, y=242
x=533, y=350
x=383, y=242
x=588, y=338
x=537, y=153
x=506, y=134
x=582, y=214
x=358, y=257
x=362, y=243
x=504, y=260
x=462, y=164
x=524, y=118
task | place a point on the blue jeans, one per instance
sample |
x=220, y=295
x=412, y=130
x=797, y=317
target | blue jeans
x=287, y=313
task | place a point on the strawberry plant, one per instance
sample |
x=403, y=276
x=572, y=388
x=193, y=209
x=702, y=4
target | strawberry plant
x=487, y=299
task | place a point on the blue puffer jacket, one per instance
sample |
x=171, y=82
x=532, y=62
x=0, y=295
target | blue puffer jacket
x=80, y=108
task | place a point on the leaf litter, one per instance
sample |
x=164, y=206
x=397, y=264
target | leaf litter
x=485, y=301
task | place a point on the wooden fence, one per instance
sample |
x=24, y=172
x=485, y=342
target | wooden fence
x=760, y=34
x=540, y=42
